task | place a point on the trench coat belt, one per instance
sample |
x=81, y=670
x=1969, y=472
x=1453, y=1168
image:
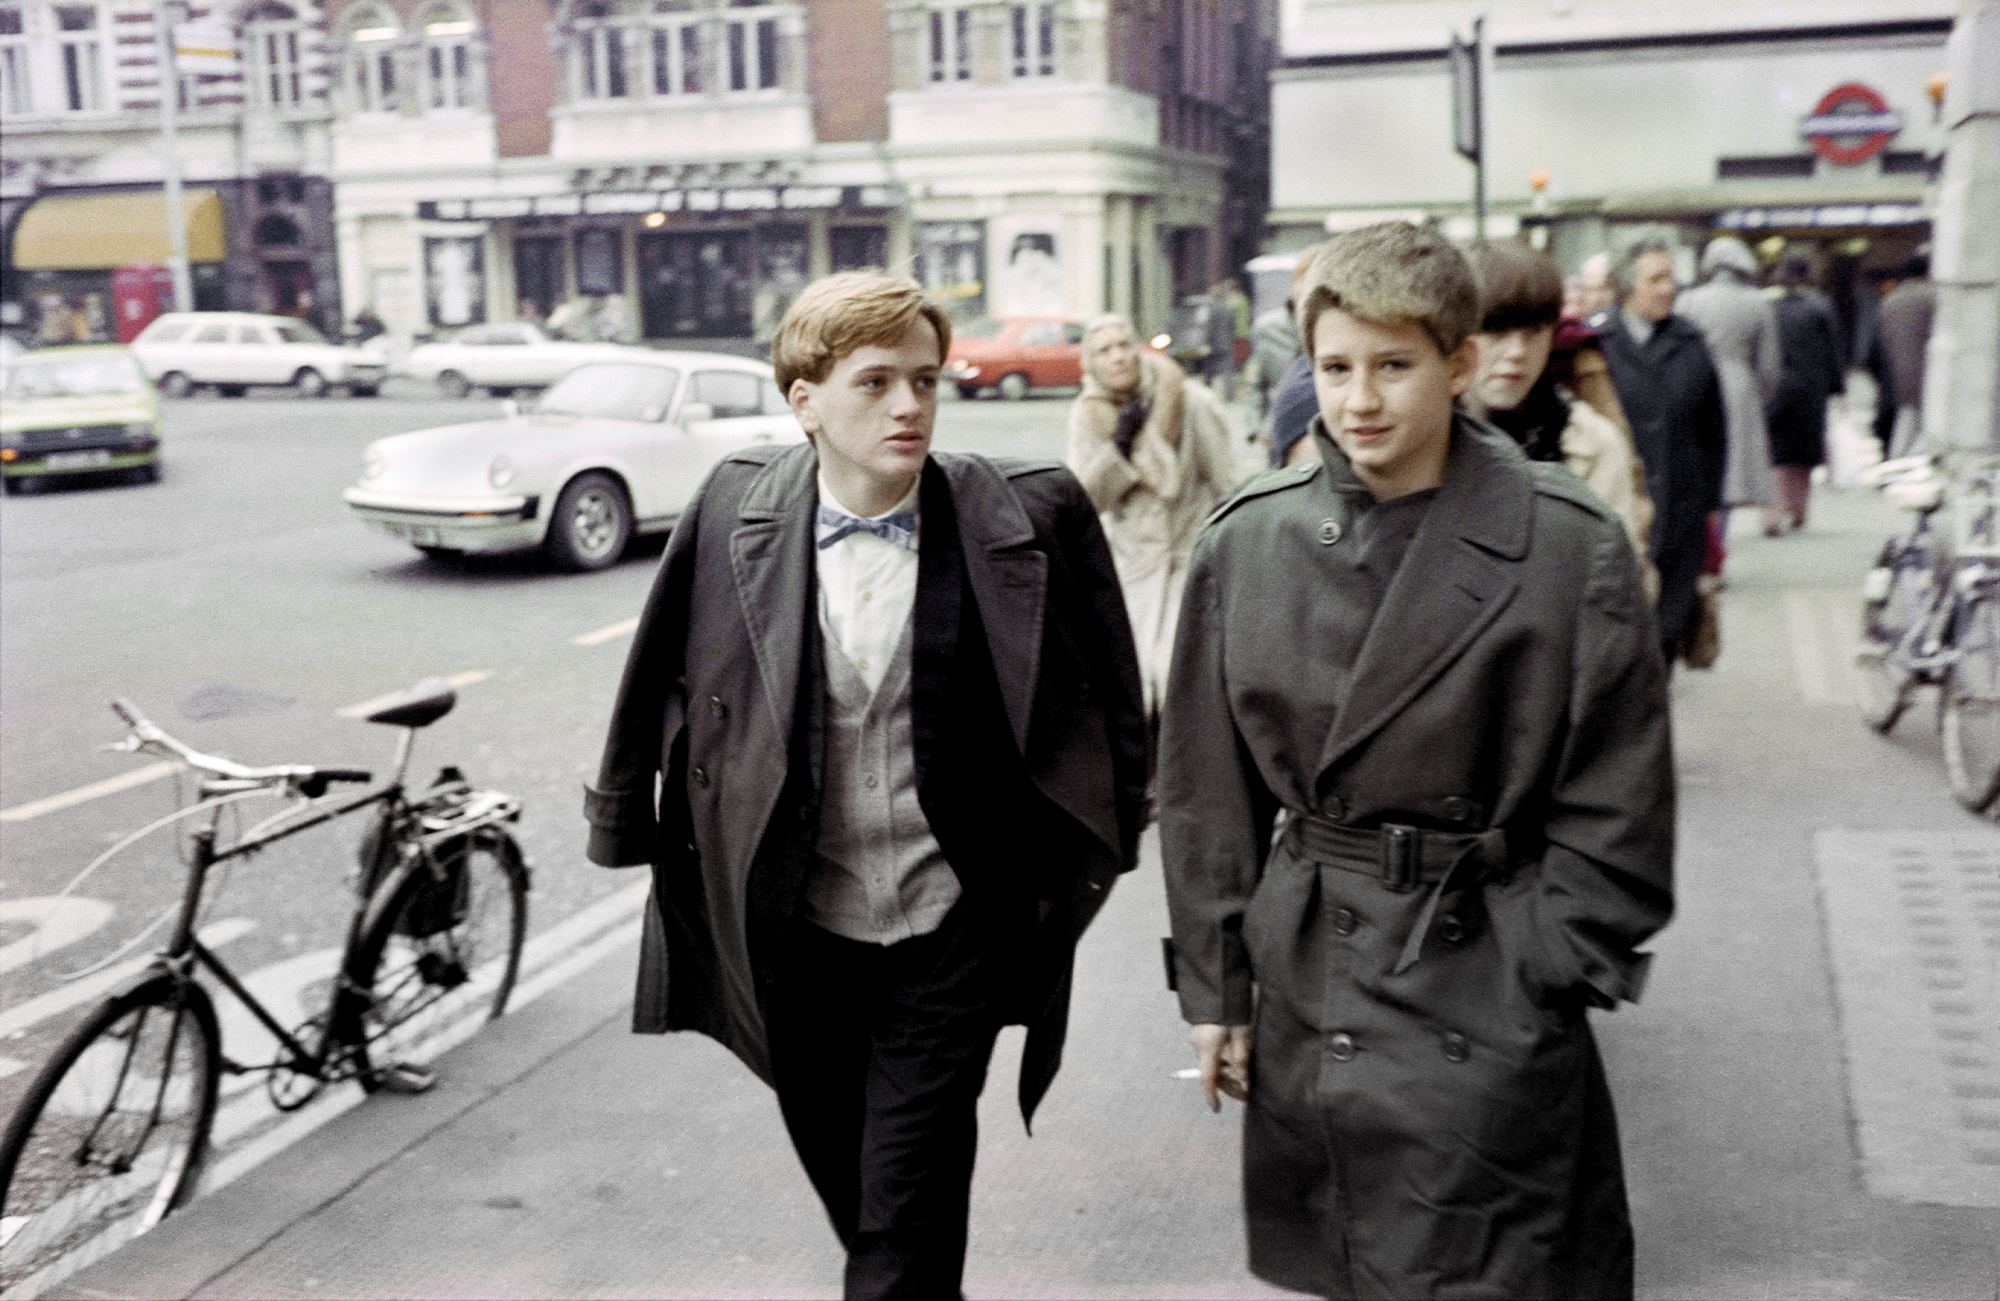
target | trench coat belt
x=1402, y=858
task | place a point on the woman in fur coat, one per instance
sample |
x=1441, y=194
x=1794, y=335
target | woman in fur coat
x=1155, y=454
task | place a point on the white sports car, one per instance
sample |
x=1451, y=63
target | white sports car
x=502, y=358
x=615, y=448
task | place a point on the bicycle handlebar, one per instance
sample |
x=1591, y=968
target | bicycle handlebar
x=150, y=737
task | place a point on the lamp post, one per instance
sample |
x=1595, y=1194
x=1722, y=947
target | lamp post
x=167, y=15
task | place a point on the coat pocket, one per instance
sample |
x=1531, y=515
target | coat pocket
x=1281, y=932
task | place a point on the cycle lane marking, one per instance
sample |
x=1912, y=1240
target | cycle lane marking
x=124, y=781
x=609, y=632
x=373, y=703
x=84, y=989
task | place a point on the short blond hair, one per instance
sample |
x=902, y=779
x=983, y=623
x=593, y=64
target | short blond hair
x=1392, y=271
x=840, y=313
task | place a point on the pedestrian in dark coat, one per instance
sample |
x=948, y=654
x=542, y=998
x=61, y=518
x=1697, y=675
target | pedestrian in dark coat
x=874, y=843
x=1673, y=398
x=1427, y=664
x=1814, y=371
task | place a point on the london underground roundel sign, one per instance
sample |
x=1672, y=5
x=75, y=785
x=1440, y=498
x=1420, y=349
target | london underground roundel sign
x=1850, y=124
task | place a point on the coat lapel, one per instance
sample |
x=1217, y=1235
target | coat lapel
x=770, y=556
x=1009, y=579
x=1457, y=576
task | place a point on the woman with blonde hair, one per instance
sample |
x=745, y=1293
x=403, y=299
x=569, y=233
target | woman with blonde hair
x=1155, y=454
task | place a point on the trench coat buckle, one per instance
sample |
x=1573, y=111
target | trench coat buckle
x=1402, y=856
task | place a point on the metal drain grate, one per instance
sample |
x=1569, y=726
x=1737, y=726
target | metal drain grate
x=1913, y=920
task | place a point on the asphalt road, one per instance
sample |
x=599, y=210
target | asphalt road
x=239, y=605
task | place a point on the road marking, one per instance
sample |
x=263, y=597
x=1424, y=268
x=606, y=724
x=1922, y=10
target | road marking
x=85, y=988
x=11, y=1066
x=57, y=920
x=152, y=772
x=374, y=703
x=622, y=628
x=1821, y=628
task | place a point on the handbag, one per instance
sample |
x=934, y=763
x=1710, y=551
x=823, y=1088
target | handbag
x=1703, y=642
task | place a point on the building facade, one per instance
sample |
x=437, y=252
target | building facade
x=679, y=169
x=1606, y=115
x=81, y=211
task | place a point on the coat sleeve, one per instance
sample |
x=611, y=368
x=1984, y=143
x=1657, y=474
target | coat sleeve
x=1216, y=813
x=1768, y=356
x=1098, y=615
x=1711, y=434
x=1604, y=883
x=624, y=819
x=1105, y=474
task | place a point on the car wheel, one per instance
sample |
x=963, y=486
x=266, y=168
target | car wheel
x=310, y=383
x=442, y=555
x=453, y=385
x=500, y=390
x=591, y=524
x=145, y=473
x=1014, y=386
x=968, y=391
x=16, y=486
x=232, y=390
x=176, y=384
x=362, y=390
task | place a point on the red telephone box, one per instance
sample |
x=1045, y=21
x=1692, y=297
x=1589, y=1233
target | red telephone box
x=138, y=295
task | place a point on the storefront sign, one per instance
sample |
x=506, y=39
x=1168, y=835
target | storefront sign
x=1850, y=124
x=1831, y=214
x=748, y=198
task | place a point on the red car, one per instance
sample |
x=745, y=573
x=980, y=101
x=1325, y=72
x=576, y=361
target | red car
x=1012, y=354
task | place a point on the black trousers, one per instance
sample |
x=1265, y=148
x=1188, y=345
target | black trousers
x=879, y=1053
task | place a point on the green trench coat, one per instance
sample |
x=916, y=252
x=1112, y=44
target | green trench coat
x=1473, y=843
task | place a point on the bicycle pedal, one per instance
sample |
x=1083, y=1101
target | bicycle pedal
x=406, y=1077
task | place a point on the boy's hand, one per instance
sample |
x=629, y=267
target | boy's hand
x=1223, y=1052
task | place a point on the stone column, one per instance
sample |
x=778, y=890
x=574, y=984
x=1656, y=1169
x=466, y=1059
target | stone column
x=1962, y=366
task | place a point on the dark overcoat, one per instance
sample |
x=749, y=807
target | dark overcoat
x=1477, y=834
x=711, y=770
x=1814, y=370
x=1672, y=396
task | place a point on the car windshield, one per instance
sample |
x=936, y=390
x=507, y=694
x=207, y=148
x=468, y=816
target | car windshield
x=621, y=391
x=72, y=377
x=298, y=332
x=983, y=328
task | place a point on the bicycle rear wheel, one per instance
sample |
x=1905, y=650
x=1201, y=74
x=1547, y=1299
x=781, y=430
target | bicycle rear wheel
x=1898, y=592
x=1969, y=715
x=441, y=944
x=112, y=1133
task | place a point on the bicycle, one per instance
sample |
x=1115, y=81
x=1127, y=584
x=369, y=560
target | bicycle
x=114, y=1130
x=1931, y=617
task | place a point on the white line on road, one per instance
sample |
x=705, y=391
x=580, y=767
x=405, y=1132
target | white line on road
x=1808, y=653
x=374, y=703
x=622, y=628
x=1821, y=625
x=85, y=988
x=125, y=781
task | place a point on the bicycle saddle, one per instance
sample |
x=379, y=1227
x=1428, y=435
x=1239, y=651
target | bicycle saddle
x=420, y=706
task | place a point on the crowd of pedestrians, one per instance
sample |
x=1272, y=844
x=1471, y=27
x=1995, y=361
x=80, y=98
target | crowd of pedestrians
x=894, y=720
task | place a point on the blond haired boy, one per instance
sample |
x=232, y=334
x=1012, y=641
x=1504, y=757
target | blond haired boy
x=888, y=701
x=1427, y=665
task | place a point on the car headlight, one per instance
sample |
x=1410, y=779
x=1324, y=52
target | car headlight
x=501, y=472
x=373, y=464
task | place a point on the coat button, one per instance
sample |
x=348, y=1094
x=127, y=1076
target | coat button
x=1458, y=808
x=1344, y=922
x=700, y=775
x=1329, y=532
x=1335, y=808
x=1456, y=1049
x=1450, y=929
x=1341, y=1046
x=716, y=707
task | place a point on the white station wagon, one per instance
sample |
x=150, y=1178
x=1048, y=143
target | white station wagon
x=614, y=449
x=182, y=351
x=502, y=358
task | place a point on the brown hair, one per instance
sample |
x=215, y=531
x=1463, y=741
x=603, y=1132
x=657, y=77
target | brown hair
x=1519, y=288
x=1392, y=271
x=840, y=313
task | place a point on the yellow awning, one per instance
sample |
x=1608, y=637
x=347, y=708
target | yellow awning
x=89, y=232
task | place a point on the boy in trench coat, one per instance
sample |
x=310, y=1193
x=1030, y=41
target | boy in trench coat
x=1428, y=665
x=879, y=739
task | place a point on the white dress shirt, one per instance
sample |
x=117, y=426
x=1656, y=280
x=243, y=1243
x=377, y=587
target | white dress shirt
x=867, y=588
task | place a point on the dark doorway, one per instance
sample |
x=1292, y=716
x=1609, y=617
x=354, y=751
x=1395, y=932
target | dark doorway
x=538, y=274
x=696, y=284
x=289, y=286
x=860, y=248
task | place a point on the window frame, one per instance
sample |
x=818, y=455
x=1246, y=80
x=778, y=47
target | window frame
x=81, y=80
x=276, y=83
x=949, y=37
x=369, y=76
x=1032, y=43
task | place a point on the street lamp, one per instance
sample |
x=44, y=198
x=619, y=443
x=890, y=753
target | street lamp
x=168, y=15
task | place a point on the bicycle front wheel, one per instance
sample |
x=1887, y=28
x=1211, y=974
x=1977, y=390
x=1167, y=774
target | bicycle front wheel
x=111, y=1135
x=441, y=945
x=1970, y=710
x=1898, y=593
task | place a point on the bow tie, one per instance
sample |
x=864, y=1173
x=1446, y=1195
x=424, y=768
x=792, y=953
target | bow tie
x=898, y=529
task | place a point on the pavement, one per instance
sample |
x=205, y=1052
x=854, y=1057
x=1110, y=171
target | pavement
x=561, y=1156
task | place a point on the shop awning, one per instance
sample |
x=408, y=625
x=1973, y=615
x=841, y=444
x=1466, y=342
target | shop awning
x=93, y=232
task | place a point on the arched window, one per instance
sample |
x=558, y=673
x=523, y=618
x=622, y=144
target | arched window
x=603, y=48
x=452, y=66
x=274, y=40
x=374, y=83
x=276, y=231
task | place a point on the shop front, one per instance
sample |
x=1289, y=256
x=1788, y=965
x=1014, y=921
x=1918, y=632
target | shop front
x=91, y=268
